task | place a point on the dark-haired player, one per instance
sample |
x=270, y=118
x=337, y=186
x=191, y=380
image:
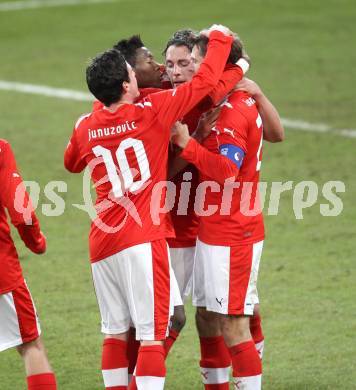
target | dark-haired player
x=19, y=326
x=125, y=146
x=148, y=71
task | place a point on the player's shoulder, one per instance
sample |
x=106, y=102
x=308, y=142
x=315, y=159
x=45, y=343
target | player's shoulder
x=83, y=120
x=242, y=101
x=4, y=143
x=6, y=152
x=5, y=147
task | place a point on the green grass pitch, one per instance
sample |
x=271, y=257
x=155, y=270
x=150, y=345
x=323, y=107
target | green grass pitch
x=304, y=58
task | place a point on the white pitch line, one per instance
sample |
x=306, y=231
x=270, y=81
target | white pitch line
x=70, y=94
x=31, y=4
x=44, y=90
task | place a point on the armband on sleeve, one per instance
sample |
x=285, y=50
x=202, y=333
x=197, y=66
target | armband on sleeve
x=233, y=152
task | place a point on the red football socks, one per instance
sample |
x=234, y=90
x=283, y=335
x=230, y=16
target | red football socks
x=46, y=381
x=150, y=369
x=114, y=364
x=246, y=365
x=215, y=363
x=256, y=333
x=170, y=340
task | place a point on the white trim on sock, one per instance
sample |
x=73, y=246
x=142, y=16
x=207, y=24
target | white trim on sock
x=212, y=376
x=115, y=377
x=150, y=382
x=248, y=382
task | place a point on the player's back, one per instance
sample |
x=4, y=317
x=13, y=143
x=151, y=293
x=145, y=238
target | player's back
x=239, y=216
x=127, y=152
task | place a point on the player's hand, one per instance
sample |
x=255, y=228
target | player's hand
x=41, y=245
x=218, y=27
x=250, y=87
x=180, y=135
x=206, y=122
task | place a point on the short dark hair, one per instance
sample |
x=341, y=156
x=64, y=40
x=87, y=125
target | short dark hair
x=237, y=49
x=128, y=48
x=184, y=37
x=105, y=75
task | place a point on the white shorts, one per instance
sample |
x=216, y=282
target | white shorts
x=225, y=278
x=134, y=286
x=182, y=264
x=18, y=318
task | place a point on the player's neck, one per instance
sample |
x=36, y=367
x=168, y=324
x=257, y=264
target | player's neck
x=115, y=106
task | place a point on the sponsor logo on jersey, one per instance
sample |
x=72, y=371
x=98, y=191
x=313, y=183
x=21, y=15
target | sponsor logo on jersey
x=249, y=102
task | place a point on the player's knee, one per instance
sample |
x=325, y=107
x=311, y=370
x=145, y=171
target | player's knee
x=35, y=346
x=178, y=319
x=235, y=329
x=256, y=310
x=207, y=322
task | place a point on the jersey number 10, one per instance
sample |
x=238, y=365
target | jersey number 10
x=128, y=183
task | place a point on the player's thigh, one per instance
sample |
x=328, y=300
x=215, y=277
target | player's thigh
x=235, y=285
x=182, y=263
x=19, y=322
x=149, y=289
x=108, y=275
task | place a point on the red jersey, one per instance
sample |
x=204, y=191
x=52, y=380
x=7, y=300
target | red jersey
x=26, y=223
x=127, y=151
x=184, y=218
x=237, y=218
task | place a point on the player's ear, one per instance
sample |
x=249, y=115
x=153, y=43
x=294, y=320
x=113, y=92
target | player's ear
x=125, y=86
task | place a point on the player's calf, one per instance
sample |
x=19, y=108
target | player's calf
x=150, y=368
x=215, y=358
x=38, y=370
x=114, y=363
x=246, y=363
x=256, y=331
x=178, y=321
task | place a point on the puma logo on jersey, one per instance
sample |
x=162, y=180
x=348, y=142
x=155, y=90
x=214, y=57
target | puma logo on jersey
x=229, y=131
x=15, y=175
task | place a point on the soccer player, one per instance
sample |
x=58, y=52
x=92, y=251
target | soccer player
x=148, y=71
x=180, y=69
x=19, y=326
x=227, y=258
x=129, y=254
